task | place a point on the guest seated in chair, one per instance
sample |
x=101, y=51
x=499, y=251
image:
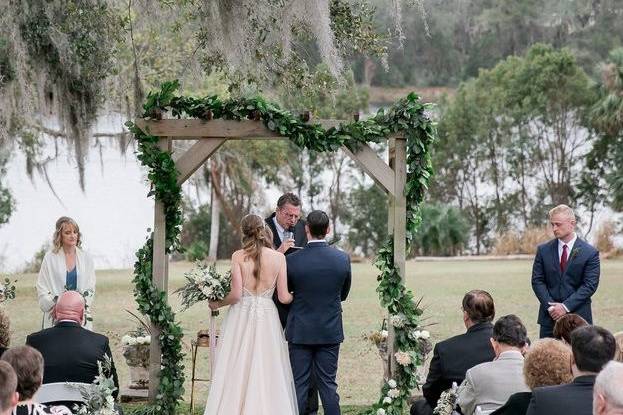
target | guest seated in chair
x=71, y=352
x=565, y=325
x=489, y=385
x=545, y=364
x=8, y=386
x=28, y=366
x=608, y=391
x=592, y=347
x=454, y=356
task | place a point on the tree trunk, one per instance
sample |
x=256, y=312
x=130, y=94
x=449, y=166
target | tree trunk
x=215, y=226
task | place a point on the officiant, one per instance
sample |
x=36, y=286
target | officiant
x=289, y=236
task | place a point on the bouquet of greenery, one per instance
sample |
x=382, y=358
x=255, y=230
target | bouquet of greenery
x=204, y=283
x=7, y=290
x=98, y=399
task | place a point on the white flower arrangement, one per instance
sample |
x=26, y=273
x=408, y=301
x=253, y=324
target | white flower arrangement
x=403, y=358
x=398, y=320
x=392, y=383
x=129, y=340
x=419, y=334
x=447, y=401
x=393, y=393
x=387, y=400
x=203, y=283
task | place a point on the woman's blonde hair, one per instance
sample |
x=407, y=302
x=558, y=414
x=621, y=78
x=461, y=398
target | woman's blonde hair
x=255, y=236
x=547, y=363
x=58, y=233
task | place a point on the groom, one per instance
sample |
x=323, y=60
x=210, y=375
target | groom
x=320, y=278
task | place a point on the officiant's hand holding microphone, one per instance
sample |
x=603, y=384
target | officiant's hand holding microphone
x=288, y=240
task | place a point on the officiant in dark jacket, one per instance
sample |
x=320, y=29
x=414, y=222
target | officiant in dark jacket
x=320, y=277
x=286, y=218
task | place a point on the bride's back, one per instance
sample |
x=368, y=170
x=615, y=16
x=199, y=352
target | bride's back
x=270, y=263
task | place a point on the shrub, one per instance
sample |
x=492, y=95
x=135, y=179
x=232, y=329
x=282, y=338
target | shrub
x=514, y=242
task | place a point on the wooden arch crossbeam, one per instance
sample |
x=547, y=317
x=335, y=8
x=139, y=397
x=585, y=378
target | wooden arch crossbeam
x=210, y=136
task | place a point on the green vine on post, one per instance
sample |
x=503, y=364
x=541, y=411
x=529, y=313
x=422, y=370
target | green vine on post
x=407, y=117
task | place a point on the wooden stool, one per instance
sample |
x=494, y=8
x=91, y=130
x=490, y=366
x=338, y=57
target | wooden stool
x=202, y=340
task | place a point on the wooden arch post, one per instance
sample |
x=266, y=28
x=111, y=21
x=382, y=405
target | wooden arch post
x=210, y=135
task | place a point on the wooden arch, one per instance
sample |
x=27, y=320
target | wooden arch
x=391, y=176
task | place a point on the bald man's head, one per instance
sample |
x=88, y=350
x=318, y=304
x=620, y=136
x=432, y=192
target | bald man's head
x=70, y=306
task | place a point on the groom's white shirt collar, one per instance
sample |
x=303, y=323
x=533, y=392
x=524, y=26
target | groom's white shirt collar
x=316, y=240
x=279, y=228
x=569, y=246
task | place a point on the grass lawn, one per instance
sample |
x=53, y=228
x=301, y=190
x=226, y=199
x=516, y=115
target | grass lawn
x=441, y=284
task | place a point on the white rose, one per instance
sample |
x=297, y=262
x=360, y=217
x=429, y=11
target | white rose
x=384, y=334
x=392, y=383
x=380, y=411
x=393, y=393
x=425, y=334
x=387, y=400
x=148, y=339
x=417, y=334
x=132, y=341
x=125, y=339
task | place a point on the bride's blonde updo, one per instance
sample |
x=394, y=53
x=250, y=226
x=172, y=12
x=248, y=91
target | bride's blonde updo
x=255, y=236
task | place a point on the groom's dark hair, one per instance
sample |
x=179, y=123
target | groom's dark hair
x=318, y=223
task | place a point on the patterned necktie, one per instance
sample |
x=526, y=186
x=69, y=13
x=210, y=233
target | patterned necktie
x=563, y=258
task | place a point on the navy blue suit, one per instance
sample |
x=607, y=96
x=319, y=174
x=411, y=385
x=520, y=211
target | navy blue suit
x=320, y=278
x=573, y=288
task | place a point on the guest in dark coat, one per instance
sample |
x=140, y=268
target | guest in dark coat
x=592, y=347
x=70, y=351
x=545, y=364
x=454, y=356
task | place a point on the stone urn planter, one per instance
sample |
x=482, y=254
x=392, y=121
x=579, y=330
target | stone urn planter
x=136, y=353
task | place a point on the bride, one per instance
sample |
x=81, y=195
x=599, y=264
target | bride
x=252, y=374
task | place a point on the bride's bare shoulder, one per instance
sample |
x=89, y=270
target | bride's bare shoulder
x=238, y=255
x=271, y=253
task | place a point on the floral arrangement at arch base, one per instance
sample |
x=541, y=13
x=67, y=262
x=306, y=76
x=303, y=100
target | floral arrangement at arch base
x=135, y=349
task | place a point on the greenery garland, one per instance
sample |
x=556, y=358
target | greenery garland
x=407, y=117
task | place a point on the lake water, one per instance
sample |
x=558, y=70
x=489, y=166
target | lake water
x=113, y=212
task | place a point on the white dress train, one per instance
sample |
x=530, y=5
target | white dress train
x=252, y=373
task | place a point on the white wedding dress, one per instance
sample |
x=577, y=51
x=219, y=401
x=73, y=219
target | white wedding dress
x=252, y=373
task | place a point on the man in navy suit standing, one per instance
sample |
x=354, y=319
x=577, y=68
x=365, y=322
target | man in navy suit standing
x=320, y=278
x=565, y=273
